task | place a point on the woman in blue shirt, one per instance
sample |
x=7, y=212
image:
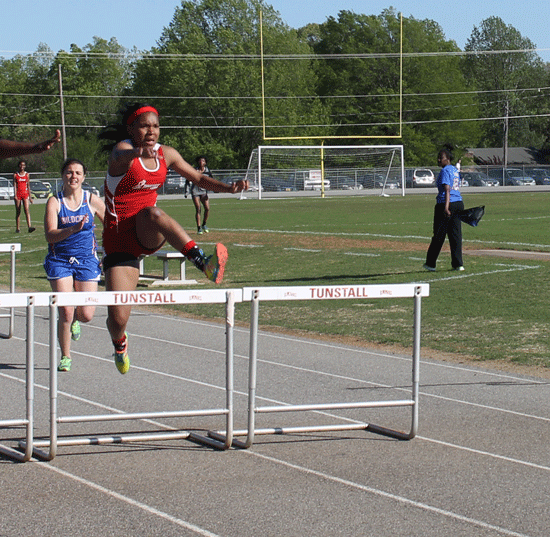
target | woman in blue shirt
x=446, y=214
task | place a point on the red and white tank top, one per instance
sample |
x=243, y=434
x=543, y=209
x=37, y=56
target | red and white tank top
x=126, y=195
x=21, y=183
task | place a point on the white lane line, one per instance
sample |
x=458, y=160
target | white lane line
x=303, y=250
x=406, y=390
x=376, y=235
x=390, y=496
x=484, y=453
x=362, y=254
x=128, y=500
x=514, y=265
x=515, y=268
x=371, y=490
x=327, y=477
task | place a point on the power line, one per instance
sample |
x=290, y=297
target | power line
x=288, y=97
x=225, y=127
x=255, y=57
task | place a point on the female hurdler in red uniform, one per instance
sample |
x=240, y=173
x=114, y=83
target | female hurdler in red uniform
x=133, y=225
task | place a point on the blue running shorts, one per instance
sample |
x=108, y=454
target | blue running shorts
x=82, y=270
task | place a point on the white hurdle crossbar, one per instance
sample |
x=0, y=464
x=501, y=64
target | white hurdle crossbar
x=12, y=249
x=255, y=295
x=53, y=301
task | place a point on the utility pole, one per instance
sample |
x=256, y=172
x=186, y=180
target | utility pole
x=505, y=150
x=64, y=137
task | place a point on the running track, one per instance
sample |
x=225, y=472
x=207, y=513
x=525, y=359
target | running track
x=479, y=466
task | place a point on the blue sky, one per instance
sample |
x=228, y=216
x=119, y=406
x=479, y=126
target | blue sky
x=26, y=23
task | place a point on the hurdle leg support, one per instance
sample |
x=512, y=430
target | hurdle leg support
x=28, y=422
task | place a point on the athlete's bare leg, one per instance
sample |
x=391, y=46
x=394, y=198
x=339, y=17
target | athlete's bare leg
x=197, y=204
x=153, y=226
x=26, y=206
x=17, y=214
x=66, y=314
x=119, y=278
x=85, y=314
x=206, y=205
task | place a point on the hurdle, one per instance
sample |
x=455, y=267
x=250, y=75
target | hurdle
x=355, y=292
x=12, y=249
x=28, y=420
x=53, y=301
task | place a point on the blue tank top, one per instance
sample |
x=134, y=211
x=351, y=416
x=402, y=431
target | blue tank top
x=81, y=244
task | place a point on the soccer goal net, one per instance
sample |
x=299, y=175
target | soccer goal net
x=327, y=169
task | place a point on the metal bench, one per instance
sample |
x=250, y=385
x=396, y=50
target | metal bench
x=165, y=256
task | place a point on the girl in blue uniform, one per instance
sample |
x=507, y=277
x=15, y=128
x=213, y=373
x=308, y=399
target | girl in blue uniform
x=72, y=262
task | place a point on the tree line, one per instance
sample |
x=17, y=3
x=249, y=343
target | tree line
x=340, y=79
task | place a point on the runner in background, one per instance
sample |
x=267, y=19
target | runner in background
x=200, y=196
x=11, y=148
x=22, y=196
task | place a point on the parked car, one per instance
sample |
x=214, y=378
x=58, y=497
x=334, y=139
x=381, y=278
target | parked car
x=6, y=189
x=520, y=178
x=391, y=183
x=40, y=189
x=478, y=179
x=285, y=185
x=372, y=180
x=420, y=177
x=378, y=180
x=270, y=184
x=174, y=184
x=540, y=175
x=90, y=188
x=511, y=177
x=344, y=182
x=498, y=174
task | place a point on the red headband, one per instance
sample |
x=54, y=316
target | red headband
x=140, y=111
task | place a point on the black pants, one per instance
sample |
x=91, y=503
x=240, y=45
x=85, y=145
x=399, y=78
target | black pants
x=444, y=226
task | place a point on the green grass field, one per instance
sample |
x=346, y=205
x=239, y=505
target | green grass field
x=496, y=310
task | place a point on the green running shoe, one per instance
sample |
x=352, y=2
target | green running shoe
x=75, y=330
x=64, y=364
